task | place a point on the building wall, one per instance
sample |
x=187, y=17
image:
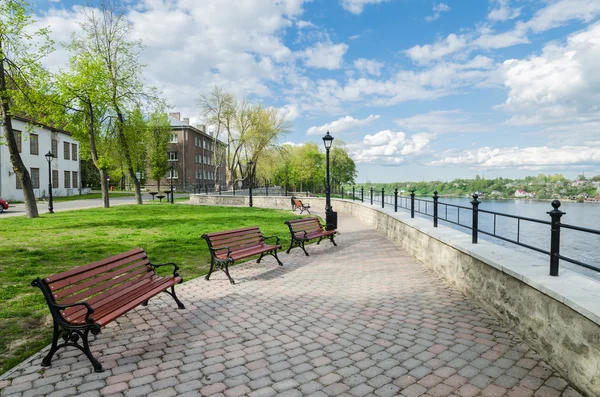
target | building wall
x=8, y=179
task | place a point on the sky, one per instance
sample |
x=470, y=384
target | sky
x=416, y=89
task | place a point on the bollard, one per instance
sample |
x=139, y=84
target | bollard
x=475, y=225
x=362, y=194
x=382, y=197
x=435, y=208
x=371, y=195
x=396, y=200
x=412, y=203
x=342, y=192
x=555, y=214
x=353, y=196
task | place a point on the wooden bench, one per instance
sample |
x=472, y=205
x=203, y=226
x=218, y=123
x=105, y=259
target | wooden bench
x=297, y=204
x=230, y=246
x=86, y=298
x=306, y=229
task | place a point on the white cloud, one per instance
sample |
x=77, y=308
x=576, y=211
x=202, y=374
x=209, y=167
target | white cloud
x=354, y=37
x=561, y=85
x=502, y=11
x=443, y=121
x=357, y=6
x=368, y=66
x=559, y=12
x=388, y=147
x=343, y=124
x=440, y=49
x=437, y=12
x=325, y=55
x=300, y=24
x=528, y=157
x=294, y=144
x=491, y=40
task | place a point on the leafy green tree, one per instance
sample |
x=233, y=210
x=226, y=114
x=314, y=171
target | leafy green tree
x=159, y=130
x=342, y=167
x=22, y=78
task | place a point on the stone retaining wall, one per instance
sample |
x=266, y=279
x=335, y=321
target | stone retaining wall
x=558, y=316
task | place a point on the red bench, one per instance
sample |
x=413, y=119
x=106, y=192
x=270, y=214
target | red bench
x=306, y=229
x=297, y=204
x=232, y=245
x=86, y=298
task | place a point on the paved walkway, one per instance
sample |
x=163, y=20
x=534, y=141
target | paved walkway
x=362, y=319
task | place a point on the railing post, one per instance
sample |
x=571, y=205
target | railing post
x=371, y=195
x=353, y=196
x=396, y=200
x=555, y=214
x=267, y=194
x=475, y=225
x=234, y=189
x=362, y=194
x=219, y=190
x=206, y=189
x=382, y=197
x=412, y=203
x=342, y=192
x=435, y=208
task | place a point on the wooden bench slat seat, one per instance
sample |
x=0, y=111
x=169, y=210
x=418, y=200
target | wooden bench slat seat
x=306, y=229
x=229, y=246
x=85, y=299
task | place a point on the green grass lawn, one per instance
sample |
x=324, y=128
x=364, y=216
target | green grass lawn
x=31, y=248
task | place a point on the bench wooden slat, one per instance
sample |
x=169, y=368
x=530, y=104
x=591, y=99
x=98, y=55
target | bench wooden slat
x=236, y=239
x=84, y=287
x=236, y=231
x=82, y=269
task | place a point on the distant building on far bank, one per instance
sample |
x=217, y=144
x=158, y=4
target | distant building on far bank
x=192, y=156
x=34, y=141
x=523, y=193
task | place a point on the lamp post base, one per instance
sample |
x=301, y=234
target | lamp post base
x=331, y=220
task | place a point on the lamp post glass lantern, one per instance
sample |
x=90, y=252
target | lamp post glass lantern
x=49, y=156
x=330, y=215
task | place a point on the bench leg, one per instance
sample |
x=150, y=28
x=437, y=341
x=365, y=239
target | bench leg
x=225, y=268
x=261, y=256
x=332, y=240
x=53, y=348
x=319, y=242
x=212, y=265
x=88, y=353
x=274, y=253
x=291, y=246
x=71, y=338
x=145, y=303
x=174, y=295
x=303, y=249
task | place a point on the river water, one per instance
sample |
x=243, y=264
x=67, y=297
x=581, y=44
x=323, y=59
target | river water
x=584, y=247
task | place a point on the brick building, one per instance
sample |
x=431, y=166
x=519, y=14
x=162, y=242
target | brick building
x=192, y=156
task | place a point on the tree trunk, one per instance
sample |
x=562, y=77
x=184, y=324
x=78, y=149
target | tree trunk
x=15, y=158
x=125, y=146
x=94, y=153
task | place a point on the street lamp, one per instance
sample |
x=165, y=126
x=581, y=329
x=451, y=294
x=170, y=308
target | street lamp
x=49, y=156
x=172, y=175
x=330, y=215
x=250, y=164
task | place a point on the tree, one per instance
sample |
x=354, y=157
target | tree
x=343, y=168
x=106, y=36
x=159, y=130
x=21, y=74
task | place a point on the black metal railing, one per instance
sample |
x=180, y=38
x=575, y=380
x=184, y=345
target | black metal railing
x=451, y=213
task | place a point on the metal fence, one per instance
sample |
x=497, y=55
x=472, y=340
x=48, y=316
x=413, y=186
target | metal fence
x=468, y=218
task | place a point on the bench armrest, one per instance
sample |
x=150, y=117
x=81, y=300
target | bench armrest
x=90, y=311
x=275, y=237
x=175, y=267
x=297, y=231
x=214, y=249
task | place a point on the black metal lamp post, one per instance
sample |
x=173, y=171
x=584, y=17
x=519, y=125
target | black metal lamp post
x=172, y=176
x=250, y=164
x=49, y=156
x=330, y=215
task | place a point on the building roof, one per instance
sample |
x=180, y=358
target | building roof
x=46, y=126
x=177, y=124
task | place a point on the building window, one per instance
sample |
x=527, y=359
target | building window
x=34, y=147
x=55, y=148
x=173, y=156
x=67, y=180
x=175, y=174
x=173, y=138
x=74, y=152
x=35, y=178
x=67, y=150
x=55, y=179
x=19, y=139
x=196, y=141
x=204, y=144
x=75, y=180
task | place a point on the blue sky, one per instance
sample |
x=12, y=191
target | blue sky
x=418, y=90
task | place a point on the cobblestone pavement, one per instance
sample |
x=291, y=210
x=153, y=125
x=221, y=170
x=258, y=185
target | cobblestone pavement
x=360, y=319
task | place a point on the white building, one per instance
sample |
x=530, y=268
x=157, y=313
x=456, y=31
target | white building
x=34, y=142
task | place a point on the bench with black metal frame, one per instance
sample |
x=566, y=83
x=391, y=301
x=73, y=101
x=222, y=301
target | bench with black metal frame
x=297, y=204
x=85, y=299
x=306, y=229
x=229, y=246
